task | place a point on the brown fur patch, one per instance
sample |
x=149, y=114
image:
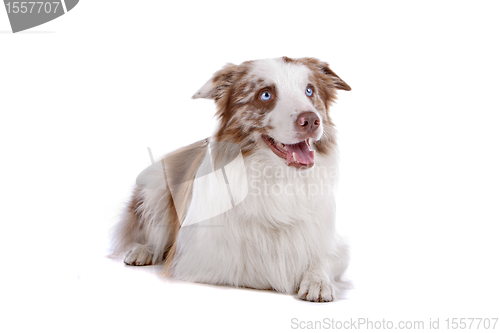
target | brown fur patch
x=331, y=78
x=174, y=221
x=180, y=167
x=239, y=108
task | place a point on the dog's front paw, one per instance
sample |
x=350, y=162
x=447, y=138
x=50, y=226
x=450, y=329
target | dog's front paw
x=139, y=256
x=316, y=289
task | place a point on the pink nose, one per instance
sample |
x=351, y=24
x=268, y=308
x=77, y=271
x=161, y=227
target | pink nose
x=307, y=122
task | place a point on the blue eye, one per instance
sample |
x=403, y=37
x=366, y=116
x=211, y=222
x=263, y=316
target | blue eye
x=265, y=96
x=309, y=91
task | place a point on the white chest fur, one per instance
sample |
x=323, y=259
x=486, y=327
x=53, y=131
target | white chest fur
x=282, y=220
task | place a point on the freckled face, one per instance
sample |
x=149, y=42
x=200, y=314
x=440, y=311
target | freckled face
x=280, y=102
x=292, y=93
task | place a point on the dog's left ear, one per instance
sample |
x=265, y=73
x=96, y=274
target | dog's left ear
x=331, y=79
x=337, y=81
x=219, y=84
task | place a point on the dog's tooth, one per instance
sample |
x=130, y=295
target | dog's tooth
x=309, y=144
x=282, y=146
x=294, y=158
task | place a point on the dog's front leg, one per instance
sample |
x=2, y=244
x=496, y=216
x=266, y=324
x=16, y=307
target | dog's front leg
x=316, y=285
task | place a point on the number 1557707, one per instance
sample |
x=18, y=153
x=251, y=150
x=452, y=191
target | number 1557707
x=32, y=7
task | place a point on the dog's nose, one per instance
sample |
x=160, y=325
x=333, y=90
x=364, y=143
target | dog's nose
x=307, y=122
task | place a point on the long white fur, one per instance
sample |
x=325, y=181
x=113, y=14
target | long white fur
x=271, y=240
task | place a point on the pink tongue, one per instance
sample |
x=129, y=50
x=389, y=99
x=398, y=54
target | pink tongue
x=302, y=153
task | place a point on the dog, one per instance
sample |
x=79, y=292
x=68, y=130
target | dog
x=253, y=205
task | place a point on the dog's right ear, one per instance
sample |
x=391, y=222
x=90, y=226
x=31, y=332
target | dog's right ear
x=219, y=84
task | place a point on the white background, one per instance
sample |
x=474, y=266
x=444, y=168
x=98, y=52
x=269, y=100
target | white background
x=83, y=96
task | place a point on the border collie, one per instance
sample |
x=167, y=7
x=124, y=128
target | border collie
x=253, y=205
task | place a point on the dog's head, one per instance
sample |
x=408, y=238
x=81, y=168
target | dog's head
x=279, y=103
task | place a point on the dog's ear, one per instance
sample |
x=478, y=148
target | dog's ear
x=324, y=69
x=337, y=81
x=219, y=84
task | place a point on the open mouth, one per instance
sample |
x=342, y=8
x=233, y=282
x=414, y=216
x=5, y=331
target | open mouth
x=299, y=155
